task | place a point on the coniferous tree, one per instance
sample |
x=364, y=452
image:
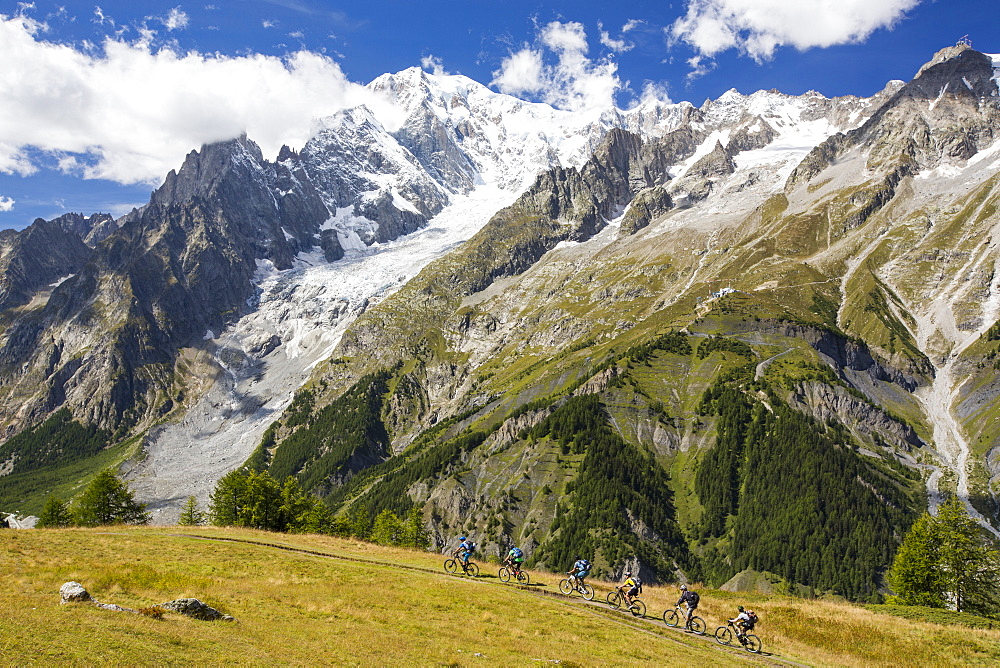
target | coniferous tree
x=387, y=529
x=263, y=507
x=414, y=532
x=107, y=500
x=55, y=514
x=226, y=505
x=944, y=561
x=190, y=514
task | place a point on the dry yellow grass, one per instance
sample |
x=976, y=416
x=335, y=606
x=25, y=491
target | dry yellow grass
x=360, y=604
x=366, y=606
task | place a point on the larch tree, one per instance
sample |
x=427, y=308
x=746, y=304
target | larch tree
x=945, y=561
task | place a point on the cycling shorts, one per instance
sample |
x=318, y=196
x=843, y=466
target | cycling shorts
x=581, y=575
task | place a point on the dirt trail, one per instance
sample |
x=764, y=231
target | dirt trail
x=648, y=624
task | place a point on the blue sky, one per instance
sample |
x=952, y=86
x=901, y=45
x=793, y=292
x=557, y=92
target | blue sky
x=99, y=101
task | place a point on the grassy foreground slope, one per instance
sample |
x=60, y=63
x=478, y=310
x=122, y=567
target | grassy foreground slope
x=341, y=602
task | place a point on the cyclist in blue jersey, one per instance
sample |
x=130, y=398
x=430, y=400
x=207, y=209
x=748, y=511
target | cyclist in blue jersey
x=464, y=551
x=580, y=570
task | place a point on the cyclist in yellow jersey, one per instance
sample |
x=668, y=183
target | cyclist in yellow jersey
x=629, y=588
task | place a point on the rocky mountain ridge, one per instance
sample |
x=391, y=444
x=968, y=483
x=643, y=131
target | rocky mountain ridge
x=841, y=250
x=853, y=282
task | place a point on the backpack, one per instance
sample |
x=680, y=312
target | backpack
x=517, y=552
x=752, y=618
x=472, y=547
x=638, y=584
x=693, y=597
x=585, y=564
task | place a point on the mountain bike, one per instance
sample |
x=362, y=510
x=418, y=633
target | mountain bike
x=616, y=599
x=725, y=635
x=571, y=584
x=508, y=572
x=468, y=567
x=673, y=618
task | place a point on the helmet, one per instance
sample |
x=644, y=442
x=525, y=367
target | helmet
x=684, y=587
x=740, y=608
x=628, y=573
x=576, y=558
x=461, y=537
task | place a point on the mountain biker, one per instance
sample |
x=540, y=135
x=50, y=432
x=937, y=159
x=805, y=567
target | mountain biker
x=514, y=559
x=464, y=550
x=690, y=599
x=580, y=570
x=744, y=621
x=629, y=588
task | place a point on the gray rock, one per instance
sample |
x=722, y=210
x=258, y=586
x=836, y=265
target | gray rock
x=192, y=607
x=73, y=592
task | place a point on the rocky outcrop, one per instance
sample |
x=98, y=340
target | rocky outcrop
x=945, y=115
x=74, y=592
x=826, y=403
x=42, y=254
x=753, y=135
x=92, y=229
x=192, y=607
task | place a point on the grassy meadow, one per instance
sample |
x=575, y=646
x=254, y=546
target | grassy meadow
x=328, y=601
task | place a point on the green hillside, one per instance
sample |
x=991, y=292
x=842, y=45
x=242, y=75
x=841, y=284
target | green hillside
x=309, y=600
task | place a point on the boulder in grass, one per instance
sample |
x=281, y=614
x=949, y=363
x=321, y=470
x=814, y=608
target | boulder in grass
x=73, y=592
x=192, y=607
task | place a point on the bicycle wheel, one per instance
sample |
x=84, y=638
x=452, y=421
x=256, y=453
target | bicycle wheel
x=697, y=625
x=671, y=618
x=450, y=565
x=614, y=600
x=638, y=608
x=724, y=635
x=565, y=587
x=587, y=591
x=752, y=643
x=504, y=574
x=522, y=578
x=472, y=569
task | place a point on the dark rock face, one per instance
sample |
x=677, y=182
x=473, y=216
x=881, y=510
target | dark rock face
x=751, y=136
x=92, y=229
x=647, y=205
x=36, y=257
x=179, y=266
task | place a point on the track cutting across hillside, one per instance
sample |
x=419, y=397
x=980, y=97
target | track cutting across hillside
x=643, y=625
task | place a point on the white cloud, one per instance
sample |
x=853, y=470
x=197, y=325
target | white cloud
x=130, y=113
x=176, y=19
x=100, y=18
x=433, y=64
x=616, y=45
x=757, y=27
x=653, y=92
x=574, y=82
x=522, y=72
x=6, y=203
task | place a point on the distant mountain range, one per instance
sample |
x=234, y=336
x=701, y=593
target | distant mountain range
x=532, y=324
